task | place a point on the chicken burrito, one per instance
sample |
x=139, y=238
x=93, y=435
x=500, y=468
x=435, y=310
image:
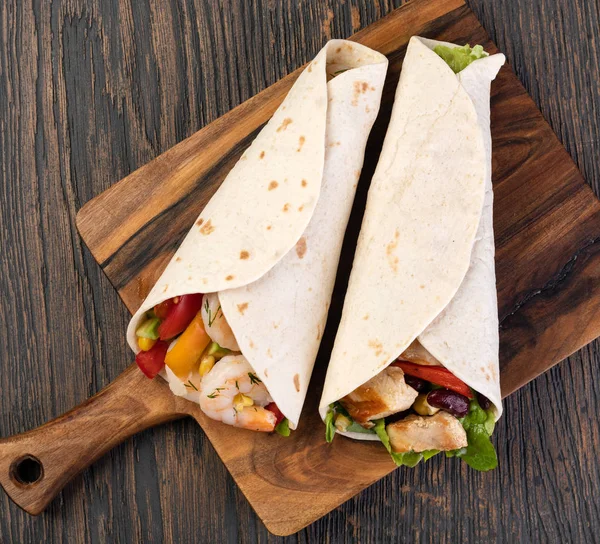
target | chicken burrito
x=415, y=360
x=235, y=321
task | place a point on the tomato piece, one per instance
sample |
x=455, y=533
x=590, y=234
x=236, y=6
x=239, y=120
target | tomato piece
x=437, y=375
x=152, y=361
x=162, y=310
x=272, y=407
x=180, y=316
x=184, y=356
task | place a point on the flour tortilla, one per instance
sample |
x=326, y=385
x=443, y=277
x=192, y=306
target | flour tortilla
x=269, y=240
x=424, y=265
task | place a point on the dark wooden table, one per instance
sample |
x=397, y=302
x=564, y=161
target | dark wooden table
x=90, y=91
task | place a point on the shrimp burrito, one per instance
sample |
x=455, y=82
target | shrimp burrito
x=235, y=321
x=415, y=360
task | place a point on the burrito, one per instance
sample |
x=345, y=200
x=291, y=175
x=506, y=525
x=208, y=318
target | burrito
x=235, y=320
x=415, y=359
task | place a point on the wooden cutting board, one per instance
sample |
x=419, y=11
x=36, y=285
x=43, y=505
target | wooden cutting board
x=547, y=225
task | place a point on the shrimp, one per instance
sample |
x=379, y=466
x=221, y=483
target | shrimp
x=215, y=324
x=232, y=393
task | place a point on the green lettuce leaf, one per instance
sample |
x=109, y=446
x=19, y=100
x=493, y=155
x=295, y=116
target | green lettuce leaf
x=458, y=58
x=480, y=453
x=284, y=427
x=428, y=454
x=329, y=426
x=410, y=459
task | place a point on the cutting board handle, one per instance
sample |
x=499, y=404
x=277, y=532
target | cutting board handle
x=36, y=465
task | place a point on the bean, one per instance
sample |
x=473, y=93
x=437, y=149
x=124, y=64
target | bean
x=450, y=401
x=416, y=383
x=484, y=402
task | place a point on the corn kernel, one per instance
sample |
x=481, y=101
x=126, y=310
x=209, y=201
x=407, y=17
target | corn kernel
x=341, y=422
x=241, y=401
x=146, y=344
x=206, y=364
x=422, y=407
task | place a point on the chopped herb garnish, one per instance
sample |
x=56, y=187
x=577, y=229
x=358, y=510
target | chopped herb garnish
x=211, y=318
x=215, y=393
x=254, y=379
x=191, y=385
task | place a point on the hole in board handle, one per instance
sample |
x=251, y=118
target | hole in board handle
x=27, y=470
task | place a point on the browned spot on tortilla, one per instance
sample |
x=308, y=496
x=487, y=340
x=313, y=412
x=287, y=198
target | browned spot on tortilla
x=422, y=286
x=338, y=50
x=242, y=307
x=269, y=227
x=189, y=278
x=178, y=259
x=204, y=280
x=244, y=255
x=199, y=222
x=359, y=88
x=309, y=69
x=372, y=88
x=269, y=354
x=207, y=228
x=367, y=109
x=301, y=248
x=262, y=155
x=319, y=333
x=286, y=207
x=303, y=183
x=251, y=344
x=377, y=346
x=301, y=141
x=273, y=185
x=166, y=287
x=310, y=288
x=243, y=158
x=301, y=208
x=366, y=316
x=297, y=382
x=284, y=124
x=275, y=325
x=389, y=250
x=229, y=278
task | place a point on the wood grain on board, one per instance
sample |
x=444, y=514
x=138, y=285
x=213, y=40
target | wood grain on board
x=565, y=282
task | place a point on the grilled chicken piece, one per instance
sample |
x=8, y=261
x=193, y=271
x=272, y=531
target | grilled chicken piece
x=417, y=433
x=416, y=353
x=384, y=395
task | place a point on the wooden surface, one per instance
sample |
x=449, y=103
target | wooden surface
x=548, y=264
x=85, y=107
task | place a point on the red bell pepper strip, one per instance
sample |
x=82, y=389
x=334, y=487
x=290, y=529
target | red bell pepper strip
x=437, y=375
x=152, y=361
x=180, y=316
x=272, y=407
x=162, y=310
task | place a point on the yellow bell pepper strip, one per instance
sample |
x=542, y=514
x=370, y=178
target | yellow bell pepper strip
x=146, y=344
x=206, y=364
x=183, y=357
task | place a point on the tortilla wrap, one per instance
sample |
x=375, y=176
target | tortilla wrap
x=424, y=264
x=269, y=240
